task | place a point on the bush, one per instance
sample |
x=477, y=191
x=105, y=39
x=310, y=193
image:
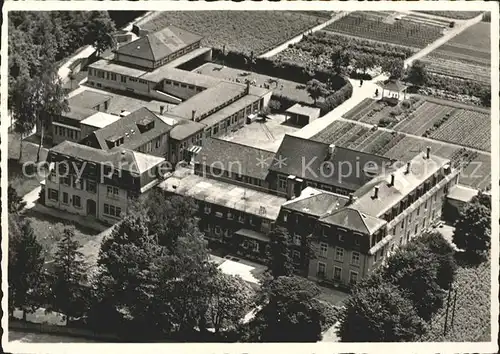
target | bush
x=406, y=104
x=336, y=99
x=452, y=24
x=274, y=105
x=396, y=111
x=386, y=121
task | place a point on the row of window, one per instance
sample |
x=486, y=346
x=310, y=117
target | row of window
x=337, y=273
x=141, y=81
x=175, y=55
x=112, y=210
x=75, y=182
x=148, y=147
x=339, y=253
x=282, y=185
x=72, y=134
x=54, y=196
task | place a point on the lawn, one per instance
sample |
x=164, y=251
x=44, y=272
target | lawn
x=402, y=32
x=22, y=183
x=472, y=319
x=49, y=231
x=290, y=89
x=242, y=31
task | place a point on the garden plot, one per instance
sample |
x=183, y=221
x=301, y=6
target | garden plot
x=423, y=118
x=401, y=32
x=240, y=31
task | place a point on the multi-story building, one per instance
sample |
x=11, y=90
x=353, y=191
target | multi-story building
x=98, y=183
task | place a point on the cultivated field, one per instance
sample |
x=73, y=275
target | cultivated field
x=466, y=55
x=304, y=51
x=242, y=31
x=472, y=309
x=385, y=28
x=477, y=166
x=458, y=15
x=432, y=118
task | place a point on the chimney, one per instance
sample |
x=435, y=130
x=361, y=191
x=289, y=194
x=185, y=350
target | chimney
x=428, y=152
x=290, y=187
x=248, y=87
x=298, y=186
x=392, y=179
x=161, y=109
x=408, y=165
x=375, y=192
x=193, y=114
x=331, y=149
x=352, y=198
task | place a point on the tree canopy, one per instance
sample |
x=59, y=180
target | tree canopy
x=280, y=260
x=15, y=203
x=417, y=73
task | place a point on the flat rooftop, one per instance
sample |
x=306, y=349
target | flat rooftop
x=462, y=193
x=228, y=111
x=88, y=99
x=111, y=66
x=208, y=100
x=100, y=119
x=225, y=194
x=166, y=72
x=304, y=110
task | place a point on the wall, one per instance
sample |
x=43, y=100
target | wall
x=121, y=201
x=60, y=134
x=69, y=207
x=180, y=90
x=138, y=86
x=134, y=61
x=152, y=148
x=86, y=130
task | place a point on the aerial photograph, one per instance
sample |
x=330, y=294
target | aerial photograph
x=249, y=176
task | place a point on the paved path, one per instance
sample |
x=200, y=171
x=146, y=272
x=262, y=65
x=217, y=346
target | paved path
x=388, y=130
x=64, y=70
x=298, y=38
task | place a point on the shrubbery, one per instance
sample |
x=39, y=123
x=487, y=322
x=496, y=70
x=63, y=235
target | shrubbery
x=336, y=99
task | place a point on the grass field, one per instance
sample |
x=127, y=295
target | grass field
x=401, y=32
x=458, y=15
x=242, y=31
x=472, y=317
x=22, y=183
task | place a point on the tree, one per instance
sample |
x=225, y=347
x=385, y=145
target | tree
x=316, y=89
x=436, y=244
x=230, y=298
x=290, y=312
x=394, y=67
x=15, y=203
x=414, y=269
x=473, y=227
x=69, y=294
x=316, y=53
x=25, y=267
x=379, y=312
x=340, y=57
x=417, y=73
x=101, y=27
x=280, y=261
x=364, y=62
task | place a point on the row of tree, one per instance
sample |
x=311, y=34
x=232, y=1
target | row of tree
x=154, y=279
x=38, y=41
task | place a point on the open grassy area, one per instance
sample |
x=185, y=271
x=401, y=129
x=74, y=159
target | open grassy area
x=472, y=318
x=49, y=231
x=242, y=31
x=21, y=182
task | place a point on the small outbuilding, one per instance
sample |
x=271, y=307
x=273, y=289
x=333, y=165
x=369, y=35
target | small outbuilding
x=301, y=115
x=393, y=91
x=458, y=196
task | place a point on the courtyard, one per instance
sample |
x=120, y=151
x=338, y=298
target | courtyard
x=263, y=135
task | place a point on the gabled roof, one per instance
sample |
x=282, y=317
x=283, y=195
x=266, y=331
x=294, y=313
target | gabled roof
x=120, y=158
x=127, y=127
x=316, y=202
x=393, y=85
x=236, y=158
x=310, y=160
x=421, y=168
x=155, y=46
x=354, y=220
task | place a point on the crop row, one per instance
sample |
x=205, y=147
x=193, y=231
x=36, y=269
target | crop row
x=402, y=32
x=459, y=15
x=467, y=128
x=334, y=131
x=424, y=117
x=240, y=31
x=455, y=68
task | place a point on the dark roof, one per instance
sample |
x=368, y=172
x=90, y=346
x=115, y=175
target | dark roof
x=155, y=46
x=185, y=128
x=393, y=85
x=316, y=202
x=305, y=158
x=78, y=113
x=121, y=158
x=127, y=127
x=88, y=99
x=353, y=219
x=237, y=158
